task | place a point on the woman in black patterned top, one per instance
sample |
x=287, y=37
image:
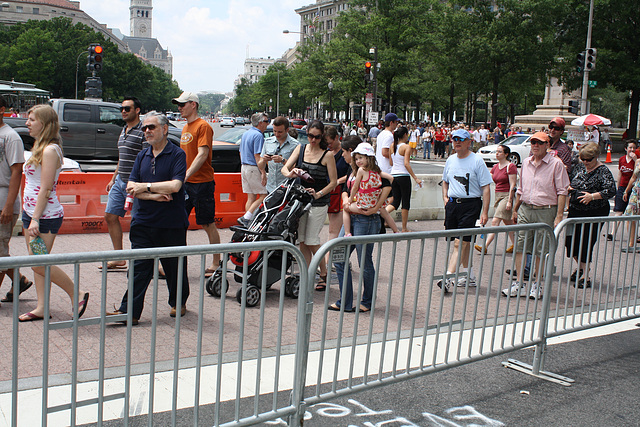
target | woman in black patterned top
x=591, y=188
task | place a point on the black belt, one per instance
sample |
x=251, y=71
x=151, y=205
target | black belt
x=464, y=200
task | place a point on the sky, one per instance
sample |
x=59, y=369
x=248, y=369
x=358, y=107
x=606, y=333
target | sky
x=210, y=39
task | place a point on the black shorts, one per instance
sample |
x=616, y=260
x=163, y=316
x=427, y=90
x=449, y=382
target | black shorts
x=620, y=204
x=462, y=215
x=401, y=191
x=51, y=225
x=201, y=197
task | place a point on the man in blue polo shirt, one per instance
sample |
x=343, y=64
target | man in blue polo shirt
x=254, y=178
x=156, y=180
x=466, y=191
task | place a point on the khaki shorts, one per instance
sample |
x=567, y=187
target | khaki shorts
x=501, y=206
x=6, y=230
x=527, y=215
x=252, y=180
x=311, y=225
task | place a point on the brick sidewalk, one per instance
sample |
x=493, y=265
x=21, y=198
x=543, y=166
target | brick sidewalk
x=487, y=301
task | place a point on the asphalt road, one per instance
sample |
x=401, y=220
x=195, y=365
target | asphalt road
x=606, y=370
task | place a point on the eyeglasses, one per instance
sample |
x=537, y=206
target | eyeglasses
x=266, y=121
x=148, y=127
x=126, y=108
x=587, y=160
x=458, y=139
x=536, y=142
x=554, y=127
x=312, y=136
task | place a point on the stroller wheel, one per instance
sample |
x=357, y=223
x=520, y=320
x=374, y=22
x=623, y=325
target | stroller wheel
x=253, y=296
x=292, y=287
x=214, y=285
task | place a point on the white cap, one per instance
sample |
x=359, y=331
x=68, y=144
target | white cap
x=186, y=97
x=365, y=149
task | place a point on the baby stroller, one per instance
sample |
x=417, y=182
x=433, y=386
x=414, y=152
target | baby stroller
x=276, y=218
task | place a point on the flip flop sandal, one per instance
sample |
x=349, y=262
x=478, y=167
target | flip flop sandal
x=321, y=286
x=24, y=285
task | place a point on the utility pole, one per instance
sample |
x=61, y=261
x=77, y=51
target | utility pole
x=585, y=75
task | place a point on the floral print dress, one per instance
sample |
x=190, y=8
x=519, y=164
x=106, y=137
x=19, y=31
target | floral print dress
x=633, y=208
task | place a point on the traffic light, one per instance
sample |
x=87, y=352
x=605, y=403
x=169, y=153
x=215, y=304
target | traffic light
x=580, y=62
x=590, y=59
x=574, y=107
x=367, y=71
x=94, y=62
x=93, y=88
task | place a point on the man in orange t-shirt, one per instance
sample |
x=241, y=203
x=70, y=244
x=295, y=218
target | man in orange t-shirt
x=197, y=142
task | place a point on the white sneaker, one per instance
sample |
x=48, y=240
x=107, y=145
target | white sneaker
x=464, y=282
x=448, y=284
x=515, y=290
x=536, y=291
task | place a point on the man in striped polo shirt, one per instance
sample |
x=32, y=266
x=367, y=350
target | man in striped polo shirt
x=130, y=143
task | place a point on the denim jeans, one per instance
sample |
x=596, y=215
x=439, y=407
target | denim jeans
x=361, y=225
x=427, y=149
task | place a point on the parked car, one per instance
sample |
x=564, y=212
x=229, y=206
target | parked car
x=227, y=121
x=518, y=144
x=298, y=123
x=239, y=121
x=68, y=165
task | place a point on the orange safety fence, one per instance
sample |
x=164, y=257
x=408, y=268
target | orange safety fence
x=84, y=198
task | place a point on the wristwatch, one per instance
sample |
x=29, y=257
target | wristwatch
x=149, y=187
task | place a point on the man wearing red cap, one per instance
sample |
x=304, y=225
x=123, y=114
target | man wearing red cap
x=541, y=198
x=559, y=148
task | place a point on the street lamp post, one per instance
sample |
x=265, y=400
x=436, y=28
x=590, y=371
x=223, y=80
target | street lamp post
x=330, y=100
x=290, y=97
x=77, y=60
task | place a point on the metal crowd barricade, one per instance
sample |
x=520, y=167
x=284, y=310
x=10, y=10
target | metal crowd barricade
x=414, y=327
x=231, y=365
x=228, y=362
x=608, y=291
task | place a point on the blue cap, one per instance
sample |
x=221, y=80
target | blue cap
x=461, y=133
x=390, y=117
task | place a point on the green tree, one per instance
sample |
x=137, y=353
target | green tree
x=45, y=53
x=616, y=25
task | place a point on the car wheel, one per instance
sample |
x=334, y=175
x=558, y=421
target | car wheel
x=514, y=158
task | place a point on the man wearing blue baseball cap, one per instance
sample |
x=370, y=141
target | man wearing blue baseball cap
x=466, y=193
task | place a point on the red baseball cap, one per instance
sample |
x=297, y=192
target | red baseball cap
x=559, y=121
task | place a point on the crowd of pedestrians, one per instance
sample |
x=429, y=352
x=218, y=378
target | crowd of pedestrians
x=355, y=182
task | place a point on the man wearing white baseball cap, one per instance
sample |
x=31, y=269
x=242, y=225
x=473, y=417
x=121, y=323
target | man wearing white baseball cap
x=466, y=192
x=199, y=184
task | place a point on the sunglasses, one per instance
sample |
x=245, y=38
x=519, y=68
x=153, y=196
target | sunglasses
x=536, y=142
x=587, y=160
x=554, y=127
x=312, y=136
x=181, y=104
x=148, y=127
x=126, y=108
x=266, y=121
x=458, y=139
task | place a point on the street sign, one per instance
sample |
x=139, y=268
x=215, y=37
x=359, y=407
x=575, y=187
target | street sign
x=593, y=83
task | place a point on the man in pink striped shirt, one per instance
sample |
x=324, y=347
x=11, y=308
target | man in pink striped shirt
x=540, y=197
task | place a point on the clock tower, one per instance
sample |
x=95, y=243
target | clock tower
x=140, y=19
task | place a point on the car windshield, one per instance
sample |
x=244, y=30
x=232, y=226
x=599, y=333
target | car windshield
x=515, y=140
x=232, y=135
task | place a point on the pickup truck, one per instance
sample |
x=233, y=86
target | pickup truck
x=90, y=132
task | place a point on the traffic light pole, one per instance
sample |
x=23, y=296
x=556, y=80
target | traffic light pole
x=585, y=74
